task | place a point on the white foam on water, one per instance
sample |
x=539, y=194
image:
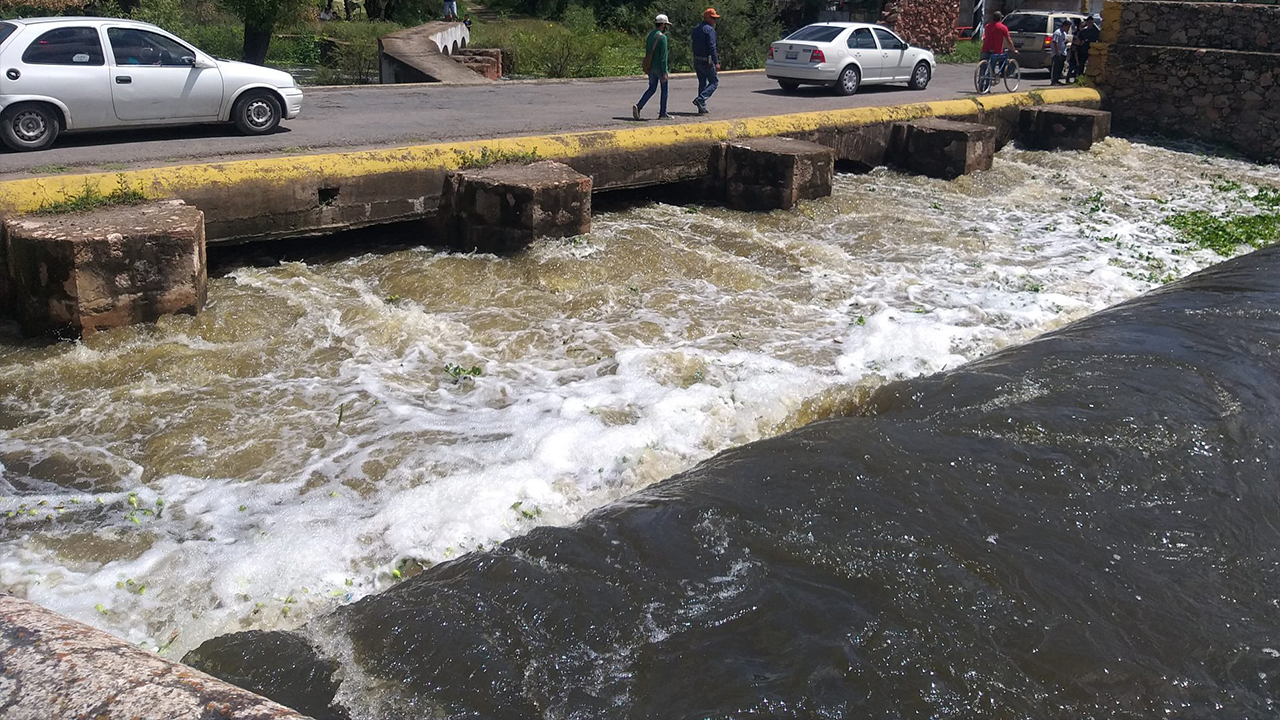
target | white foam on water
x=306, y=441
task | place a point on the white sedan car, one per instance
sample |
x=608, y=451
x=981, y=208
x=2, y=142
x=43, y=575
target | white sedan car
x=75, y=73
x=846, y=56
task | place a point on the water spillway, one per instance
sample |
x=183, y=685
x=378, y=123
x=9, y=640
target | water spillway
x=301, y=445
x=1079, y=526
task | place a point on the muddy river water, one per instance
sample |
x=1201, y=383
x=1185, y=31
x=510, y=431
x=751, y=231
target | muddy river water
x=328, y=428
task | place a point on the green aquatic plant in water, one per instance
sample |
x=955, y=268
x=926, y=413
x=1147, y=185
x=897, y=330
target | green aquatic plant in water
x=1223, y=234
x=457, y=372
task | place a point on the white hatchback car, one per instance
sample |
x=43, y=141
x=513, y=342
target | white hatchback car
x=77, y=73
x=847, y=56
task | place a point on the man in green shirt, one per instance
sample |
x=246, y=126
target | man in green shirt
x=655, y=49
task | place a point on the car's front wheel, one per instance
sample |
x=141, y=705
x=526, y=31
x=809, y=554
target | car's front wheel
x=29, y=126
x=788, y=85
x=847, y=83
x=920, y=76
x=257, y=112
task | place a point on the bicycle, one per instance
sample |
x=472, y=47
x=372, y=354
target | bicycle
x=997, y=66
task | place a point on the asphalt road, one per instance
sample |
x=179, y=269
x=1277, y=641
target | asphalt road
x=351, y=118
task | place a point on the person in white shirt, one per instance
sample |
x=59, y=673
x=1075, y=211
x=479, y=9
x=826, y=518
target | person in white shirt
x=1058, y=47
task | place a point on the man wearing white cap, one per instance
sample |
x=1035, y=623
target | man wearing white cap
x=655, y=64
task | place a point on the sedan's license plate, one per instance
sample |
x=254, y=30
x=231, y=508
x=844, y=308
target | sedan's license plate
x=1018, y=43
x=793, y=55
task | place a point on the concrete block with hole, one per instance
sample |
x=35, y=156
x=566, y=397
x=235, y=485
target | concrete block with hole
x=1062, y=127
x=504, y=208
x=940, y=148
x=82, y=272
x=774, y=173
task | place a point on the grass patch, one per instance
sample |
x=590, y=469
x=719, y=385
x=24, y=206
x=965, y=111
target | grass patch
x=486, y=158
x=51, y=169
x=114, y=166
x=574, y=47
x=89, y=198
x=967, y=51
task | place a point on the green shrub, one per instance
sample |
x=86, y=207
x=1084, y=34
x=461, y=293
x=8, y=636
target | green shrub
x=967, y=51
x=297, y=46
x=743, y=34
x=348, y=51
x=546, y=49
x=219, y=40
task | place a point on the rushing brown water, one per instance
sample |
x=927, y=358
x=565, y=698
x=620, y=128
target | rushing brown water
x=301, y=444
x=1081, y=526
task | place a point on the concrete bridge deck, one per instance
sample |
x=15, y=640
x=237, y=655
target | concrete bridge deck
x=364, y=118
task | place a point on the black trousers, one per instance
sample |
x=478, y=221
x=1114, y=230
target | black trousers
x=1055, y=72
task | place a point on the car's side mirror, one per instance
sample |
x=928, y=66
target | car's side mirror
x=199, y=64
x=187, y=60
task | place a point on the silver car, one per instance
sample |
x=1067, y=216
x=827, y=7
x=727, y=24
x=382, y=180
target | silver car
x=846, y=56
x=67, y=74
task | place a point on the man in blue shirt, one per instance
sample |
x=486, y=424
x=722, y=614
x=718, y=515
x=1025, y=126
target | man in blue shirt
x=1058, y=47
x=706, y=58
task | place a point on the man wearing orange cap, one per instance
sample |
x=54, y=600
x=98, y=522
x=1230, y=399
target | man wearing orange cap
x=706, y=58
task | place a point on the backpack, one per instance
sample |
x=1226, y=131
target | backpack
x=648, y=58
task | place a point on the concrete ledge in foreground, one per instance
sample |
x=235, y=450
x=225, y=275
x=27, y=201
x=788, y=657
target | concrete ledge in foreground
x=54, y=668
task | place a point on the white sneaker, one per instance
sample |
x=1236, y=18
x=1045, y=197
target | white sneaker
x=635, y=111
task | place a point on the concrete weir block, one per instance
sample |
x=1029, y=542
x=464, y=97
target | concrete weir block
x=940, y=148
x=1062, y=127
x=54, y=667
x=775, y=173
x=82, y=272
x=503, y=208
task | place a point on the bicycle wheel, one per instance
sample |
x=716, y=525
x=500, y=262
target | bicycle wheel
x=982, y=78
x=1012, y=75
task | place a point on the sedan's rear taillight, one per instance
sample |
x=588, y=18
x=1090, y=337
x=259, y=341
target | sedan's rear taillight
x=817, y=56
x=770, y=52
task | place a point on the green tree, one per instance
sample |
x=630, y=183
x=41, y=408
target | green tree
x=260, y=18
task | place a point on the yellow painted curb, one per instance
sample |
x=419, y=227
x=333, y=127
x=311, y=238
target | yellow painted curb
x=28, y=195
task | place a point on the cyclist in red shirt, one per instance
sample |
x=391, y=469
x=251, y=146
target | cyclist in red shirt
x=995, y=36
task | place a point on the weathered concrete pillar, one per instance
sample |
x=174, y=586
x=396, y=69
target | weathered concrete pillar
x=82, y=272
x=6, y=296
x=774, y=173
x=941, y=148
x=54, y=667
x=1062, y=127
x=503, y=208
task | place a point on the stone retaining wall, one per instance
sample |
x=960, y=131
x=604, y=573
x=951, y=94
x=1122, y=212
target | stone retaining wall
x=1215, y=25
x=1161, y=75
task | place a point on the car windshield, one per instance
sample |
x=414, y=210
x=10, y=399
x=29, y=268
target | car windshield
x=817, y=33
x=1027, y=23
x=6, y=29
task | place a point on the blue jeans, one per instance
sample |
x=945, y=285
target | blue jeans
x=654, y=80
x=707, y=80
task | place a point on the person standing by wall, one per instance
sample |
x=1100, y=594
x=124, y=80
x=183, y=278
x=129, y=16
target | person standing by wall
x=1058, y=46
x=1089, y=34
x=655, y=65
x=706, y=58
x=1073, y=52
